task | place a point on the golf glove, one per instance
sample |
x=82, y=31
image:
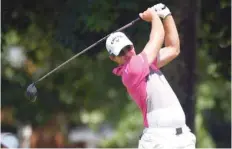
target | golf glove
x=162, y=10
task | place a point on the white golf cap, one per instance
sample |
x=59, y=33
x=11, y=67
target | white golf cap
x=116, y=42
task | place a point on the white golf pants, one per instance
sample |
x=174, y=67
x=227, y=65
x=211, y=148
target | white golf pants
x=166, y=138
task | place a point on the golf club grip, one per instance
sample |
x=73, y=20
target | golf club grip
x=86, y=49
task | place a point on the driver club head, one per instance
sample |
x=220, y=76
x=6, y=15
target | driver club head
x=32, y=92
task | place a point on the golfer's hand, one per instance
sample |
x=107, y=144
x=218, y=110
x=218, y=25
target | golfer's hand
x=148, y=15
x=161, y=10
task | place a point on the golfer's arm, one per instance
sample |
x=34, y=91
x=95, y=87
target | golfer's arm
x=156, y=39
x=172, y=43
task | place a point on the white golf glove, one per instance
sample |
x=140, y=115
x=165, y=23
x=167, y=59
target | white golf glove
x=161, y=10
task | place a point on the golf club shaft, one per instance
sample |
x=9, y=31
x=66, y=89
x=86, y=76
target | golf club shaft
x=86, y=49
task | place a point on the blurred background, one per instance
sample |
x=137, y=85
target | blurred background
x=84, y=104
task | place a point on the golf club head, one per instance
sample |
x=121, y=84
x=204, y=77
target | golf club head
x=32, y=92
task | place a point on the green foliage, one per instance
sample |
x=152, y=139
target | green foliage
x=213, y=71
x=128, y=130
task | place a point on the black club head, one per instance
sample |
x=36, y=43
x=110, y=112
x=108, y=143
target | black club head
x=32, y=92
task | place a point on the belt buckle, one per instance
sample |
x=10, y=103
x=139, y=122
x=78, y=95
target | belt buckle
x=179, y=131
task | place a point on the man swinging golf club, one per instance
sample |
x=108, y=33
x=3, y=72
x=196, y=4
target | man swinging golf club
x=163, y=116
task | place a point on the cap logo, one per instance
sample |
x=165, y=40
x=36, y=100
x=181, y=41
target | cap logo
x=116, y=39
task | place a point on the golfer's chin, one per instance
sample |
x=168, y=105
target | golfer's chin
x=129, y=54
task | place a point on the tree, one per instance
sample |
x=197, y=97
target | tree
x=50, y=32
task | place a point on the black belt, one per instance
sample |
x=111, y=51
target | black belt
x=178, y=132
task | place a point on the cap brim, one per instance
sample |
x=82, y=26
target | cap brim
x=120, y=47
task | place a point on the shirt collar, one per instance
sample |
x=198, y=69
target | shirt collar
x=119, y=70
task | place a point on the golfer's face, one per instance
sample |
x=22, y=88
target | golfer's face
x=128, y=51
x=125, y=54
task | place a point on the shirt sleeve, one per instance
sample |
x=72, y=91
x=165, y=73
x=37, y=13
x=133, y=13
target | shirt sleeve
x=138, y=68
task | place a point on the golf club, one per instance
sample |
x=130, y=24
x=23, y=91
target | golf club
x=32, y=90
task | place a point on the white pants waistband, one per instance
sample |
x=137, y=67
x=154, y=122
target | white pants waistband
x=166, y=130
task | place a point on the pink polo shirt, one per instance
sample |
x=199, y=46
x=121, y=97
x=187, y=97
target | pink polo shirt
x=133, y=75
x=152, y=93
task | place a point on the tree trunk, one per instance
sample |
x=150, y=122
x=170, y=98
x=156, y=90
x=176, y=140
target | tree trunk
x=181, y=72
x=188, y=30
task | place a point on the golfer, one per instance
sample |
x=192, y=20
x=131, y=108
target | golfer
x=163, y=116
